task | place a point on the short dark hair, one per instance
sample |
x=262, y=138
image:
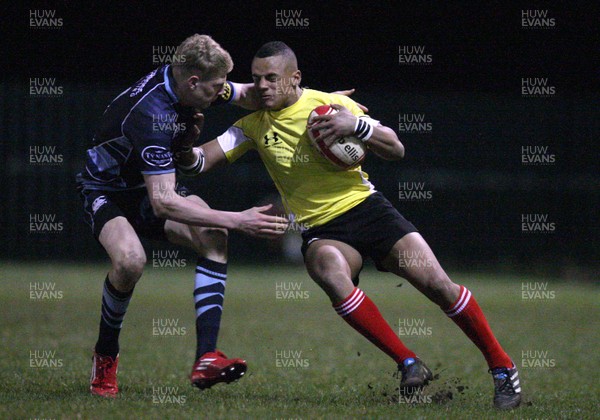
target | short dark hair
x=274, y=48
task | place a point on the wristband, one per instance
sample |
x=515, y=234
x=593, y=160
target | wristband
x=363, y=129
x=236, y=88
x=195, y=168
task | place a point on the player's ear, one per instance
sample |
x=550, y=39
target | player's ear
x=297, y=76
x=192, y=81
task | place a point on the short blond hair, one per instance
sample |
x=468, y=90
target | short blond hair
x=204, y=54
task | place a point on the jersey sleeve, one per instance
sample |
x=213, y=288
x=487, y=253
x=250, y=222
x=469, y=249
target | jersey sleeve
x=234, y=142
x=230, y=93
x=151, y=139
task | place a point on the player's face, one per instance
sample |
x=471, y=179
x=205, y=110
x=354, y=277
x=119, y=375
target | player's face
x=201, y=93
x=274, y=82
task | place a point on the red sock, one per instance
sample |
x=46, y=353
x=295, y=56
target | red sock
x=361, y=313
x=467, y=314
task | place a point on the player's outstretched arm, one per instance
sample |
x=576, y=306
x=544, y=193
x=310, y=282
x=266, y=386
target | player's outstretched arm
x=167, y=204
x=246, y=96
x=214, y=156
x=194, y=160
x=382, y=141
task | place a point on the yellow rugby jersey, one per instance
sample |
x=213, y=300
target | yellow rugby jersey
x=313, y=190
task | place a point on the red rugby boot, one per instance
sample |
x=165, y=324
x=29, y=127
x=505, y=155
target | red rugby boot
x=104, y=376
x=214, y=367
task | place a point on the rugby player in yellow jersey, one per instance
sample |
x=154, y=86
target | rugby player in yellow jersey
x=347, y=220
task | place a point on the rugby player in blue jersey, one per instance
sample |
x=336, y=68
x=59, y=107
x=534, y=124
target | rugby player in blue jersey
x=128, y=188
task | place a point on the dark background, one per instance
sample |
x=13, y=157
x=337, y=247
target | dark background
x=471, y=94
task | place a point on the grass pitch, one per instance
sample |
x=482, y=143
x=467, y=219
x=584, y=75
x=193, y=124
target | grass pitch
x=304, y=361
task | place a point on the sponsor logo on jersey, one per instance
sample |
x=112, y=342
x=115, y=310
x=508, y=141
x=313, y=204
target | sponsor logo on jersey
x=157, y=156
x=274, y=138
x=98, y=202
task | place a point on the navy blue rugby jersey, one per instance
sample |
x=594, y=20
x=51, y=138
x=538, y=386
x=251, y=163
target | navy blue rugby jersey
x=136, y=132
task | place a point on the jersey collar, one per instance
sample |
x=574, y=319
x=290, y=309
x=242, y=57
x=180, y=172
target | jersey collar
x=169, y=82
x=291, y=108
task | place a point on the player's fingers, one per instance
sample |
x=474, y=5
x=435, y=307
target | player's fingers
x=319, y=119
x=275, y=220
x=262, y=209
x=199, y=121
x=323, y=126
x=327, y=135
x=271, y=233
x=363, y=108
x=347, y=92
x=339, y=108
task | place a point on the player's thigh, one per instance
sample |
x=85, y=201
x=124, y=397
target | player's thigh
x=197, y=238
x=412, y=258
x=327, y=257
x=123, y=245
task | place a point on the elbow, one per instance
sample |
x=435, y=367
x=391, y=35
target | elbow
x=162, y=207
x=399, y=152
x=396, y=151
x=396, y=154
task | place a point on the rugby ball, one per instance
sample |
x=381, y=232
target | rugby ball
x=344, y=152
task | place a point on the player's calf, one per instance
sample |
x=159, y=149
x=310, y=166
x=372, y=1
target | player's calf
x=438, y=287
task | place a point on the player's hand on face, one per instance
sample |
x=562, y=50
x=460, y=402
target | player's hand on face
x=349, y=92
x=336, y=125
x=255, y=222
x=193, y=133
x=185, y=142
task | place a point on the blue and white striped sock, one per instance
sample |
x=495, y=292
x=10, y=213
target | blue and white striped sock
x=209, y=292
x=114, y=307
